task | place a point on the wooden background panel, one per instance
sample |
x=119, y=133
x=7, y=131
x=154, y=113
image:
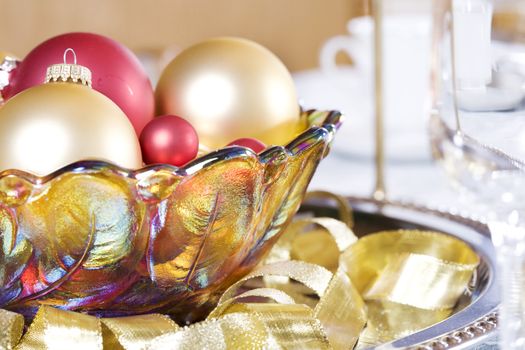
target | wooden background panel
x=293, y=29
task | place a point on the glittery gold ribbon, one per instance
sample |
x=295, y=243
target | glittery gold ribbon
x=395, y=282
x=232, y=325
x=409, y=280
x=11, y=327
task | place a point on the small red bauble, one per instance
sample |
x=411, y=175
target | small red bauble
x=117, y=72
x=248, y=142
x=169, y=139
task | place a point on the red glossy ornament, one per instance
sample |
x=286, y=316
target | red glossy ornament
x=248, y=142
x=117, y=72
x=169, y=139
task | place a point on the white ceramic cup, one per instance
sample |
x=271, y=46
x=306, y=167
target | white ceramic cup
x=406, y=73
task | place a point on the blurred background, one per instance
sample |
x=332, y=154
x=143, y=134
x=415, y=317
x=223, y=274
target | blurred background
x=292, y=29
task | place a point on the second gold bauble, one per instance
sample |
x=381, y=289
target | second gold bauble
x=230, y=88
x=49, y=126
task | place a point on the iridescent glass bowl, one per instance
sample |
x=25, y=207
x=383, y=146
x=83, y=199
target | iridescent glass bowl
x=96, y=238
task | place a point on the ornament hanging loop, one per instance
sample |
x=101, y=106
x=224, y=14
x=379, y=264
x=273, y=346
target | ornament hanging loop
x=73, y=53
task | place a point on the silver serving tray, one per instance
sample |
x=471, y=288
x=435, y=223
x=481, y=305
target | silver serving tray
x=474, y=320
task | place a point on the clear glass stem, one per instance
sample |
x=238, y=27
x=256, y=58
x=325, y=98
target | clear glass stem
x=512, y=313
x=511, y=260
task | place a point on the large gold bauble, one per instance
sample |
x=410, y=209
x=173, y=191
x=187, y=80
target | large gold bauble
x=49, y=126
x=229, y=88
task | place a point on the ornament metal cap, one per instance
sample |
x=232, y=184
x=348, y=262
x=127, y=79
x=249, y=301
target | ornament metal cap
x=68, y=72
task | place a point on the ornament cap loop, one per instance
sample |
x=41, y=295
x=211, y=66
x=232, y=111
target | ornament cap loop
x=73, y=53
x=68, y=72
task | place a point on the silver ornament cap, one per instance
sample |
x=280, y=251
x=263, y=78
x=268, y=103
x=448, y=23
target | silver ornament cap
x=67, y=72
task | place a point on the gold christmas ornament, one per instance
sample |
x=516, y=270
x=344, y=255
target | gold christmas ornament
x=49, y=126
x=229, y=88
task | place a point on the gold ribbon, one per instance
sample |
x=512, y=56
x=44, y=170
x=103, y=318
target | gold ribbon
x=11, y=327
x=394, y=282
x=409, y=280
x=232, y=325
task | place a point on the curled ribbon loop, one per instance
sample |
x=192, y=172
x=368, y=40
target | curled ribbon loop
x=339, y=306
x=135, y=332
x=58, y=329
x=409, y=280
